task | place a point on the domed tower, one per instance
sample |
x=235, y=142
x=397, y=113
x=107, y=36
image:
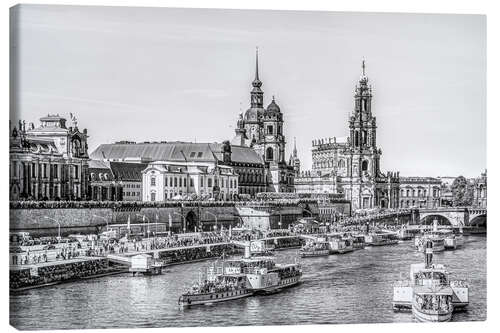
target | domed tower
x=253, y=115
x=274, y=140
x=363, y=131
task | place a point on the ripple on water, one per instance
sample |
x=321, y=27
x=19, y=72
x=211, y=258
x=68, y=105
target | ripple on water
x=351, y=288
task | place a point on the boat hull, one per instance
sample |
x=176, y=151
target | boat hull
x=311, y=254
x=431, y=317
x=201, y=299
x=284, y=283
x=383, y=243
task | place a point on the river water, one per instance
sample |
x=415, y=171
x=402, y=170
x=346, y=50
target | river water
x=350, y=288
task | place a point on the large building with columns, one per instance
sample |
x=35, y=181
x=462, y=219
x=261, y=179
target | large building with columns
x=48, y=162
x=351, y=165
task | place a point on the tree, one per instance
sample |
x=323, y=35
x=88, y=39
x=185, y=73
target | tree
x=462, y=192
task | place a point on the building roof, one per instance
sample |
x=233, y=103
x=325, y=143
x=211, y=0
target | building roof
x=403, y=180
x=173, y=151
x=127, y=171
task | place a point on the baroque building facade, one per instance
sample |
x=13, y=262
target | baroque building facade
x=351, y=165
x=166, y=181
x=262, y=130
x=420, y=192
x=48, y=162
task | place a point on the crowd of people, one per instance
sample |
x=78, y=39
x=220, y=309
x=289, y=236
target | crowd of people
x=195, y=253
x=57, y=273
x=217, y=286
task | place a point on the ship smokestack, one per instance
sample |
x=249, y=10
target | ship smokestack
x=428, y=254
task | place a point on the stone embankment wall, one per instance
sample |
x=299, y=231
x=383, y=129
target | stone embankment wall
x=45, y=219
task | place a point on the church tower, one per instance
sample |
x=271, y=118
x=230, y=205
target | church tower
x=363, y=132
x=274, y=140
x=294, y=159
x=253, y=116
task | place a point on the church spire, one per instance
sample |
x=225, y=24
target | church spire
x=257, y=96
x=295, y=147
x=257, y=63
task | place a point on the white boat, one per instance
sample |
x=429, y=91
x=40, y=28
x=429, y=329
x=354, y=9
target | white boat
x=241, y=277
x=431, y=304
x=380, y=239
x=315, y=249
x=217, y=287
x=429, y=293
x=437, y=242
x=264, y=275
x=338, y=244
x=358, y=242
x=452, y=241
x=404, y=234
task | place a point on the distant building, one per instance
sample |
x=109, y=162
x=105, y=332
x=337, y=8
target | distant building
x=163, y=180
x=480, y=186
x=351, y=165
x=115, y=181
x=420, y=192
x=246, y=163
x=48, y=162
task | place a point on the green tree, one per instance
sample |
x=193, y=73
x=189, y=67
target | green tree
x=462, y=192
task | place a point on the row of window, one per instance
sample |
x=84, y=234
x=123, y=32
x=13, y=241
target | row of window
x=418, y=193
x=182, y=182
x=132, y=194
x=132, y=186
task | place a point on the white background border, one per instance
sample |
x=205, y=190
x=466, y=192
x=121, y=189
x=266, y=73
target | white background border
x=490, y=8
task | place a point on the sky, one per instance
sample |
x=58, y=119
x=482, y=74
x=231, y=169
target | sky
x=161, y=74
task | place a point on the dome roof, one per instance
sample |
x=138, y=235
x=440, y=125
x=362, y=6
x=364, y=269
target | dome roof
x=273, y=107
x=253, y=114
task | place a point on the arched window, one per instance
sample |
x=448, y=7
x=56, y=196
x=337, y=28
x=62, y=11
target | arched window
x=407, y=193
x=364, y=165
x=356, y=138
x=402, y=194
x=341, y=164
x=269, y=153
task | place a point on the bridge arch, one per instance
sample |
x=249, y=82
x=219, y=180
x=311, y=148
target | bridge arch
x=428, y=219
x=478, y=221
x=191, y=221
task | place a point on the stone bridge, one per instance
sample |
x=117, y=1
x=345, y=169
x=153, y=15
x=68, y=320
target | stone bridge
x=456, y=216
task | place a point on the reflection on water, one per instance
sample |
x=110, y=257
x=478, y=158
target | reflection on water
x=350, y=288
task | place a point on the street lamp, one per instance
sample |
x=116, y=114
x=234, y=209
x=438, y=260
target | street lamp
x=143, y=220
x=279, y=223
x=183, y=220
x=58, y=226
x=215, y=216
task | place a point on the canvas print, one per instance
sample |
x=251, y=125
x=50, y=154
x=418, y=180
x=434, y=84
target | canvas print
x=178, y=167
